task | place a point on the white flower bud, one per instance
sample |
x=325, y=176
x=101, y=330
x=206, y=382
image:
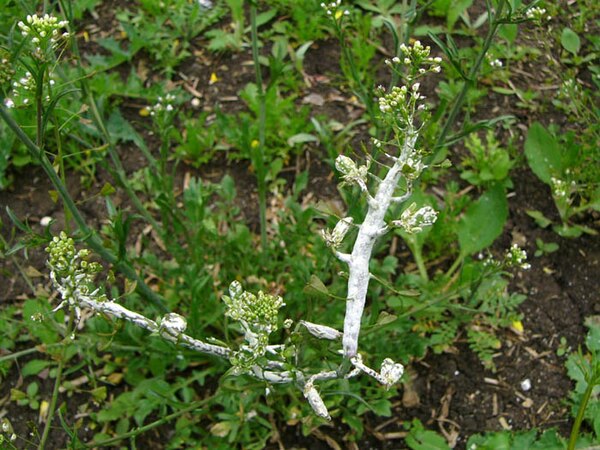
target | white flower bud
x=315, y=401
x=174, y=324
x=391, y=372
x=413, y=220
x=345, y=165
x=322, y=331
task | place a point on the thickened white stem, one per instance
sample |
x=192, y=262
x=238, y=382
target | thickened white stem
x=369, y=231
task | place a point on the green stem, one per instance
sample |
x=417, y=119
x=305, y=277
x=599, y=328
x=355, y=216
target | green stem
x=145, y=428
x=417, y=252
x=455, y=265
x=19, y=267
x=61, y=165
x=361, y=91
x=580, y=414
x=57, y=382
x=17, y=355
x=468, y=83
x=119, y=172
x=259, y=159
x=91, y=238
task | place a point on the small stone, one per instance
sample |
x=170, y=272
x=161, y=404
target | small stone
x=526, y=385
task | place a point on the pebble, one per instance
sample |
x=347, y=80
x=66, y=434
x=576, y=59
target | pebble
x=526, y=385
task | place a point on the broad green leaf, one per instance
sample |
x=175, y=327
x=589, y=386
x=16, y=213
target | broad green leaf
x=457, y=7
x=385, y=318
x=107, y=190
x=316, y=287
x=426, y=440
x=543, y=153
x=509, y=32
x=592, y=341
x=34, y=367
x=483, y=221
x=570, y=40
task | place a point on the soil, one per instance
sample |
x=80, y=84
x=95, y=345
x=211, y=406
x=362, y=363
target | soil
x=451, y=393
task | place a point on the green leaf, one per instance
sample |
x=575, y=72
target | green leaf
x=483, y=221
x=107, y=190
x=421, y=439
x=16, y=395
x=457, y=7
x=301, y=138
x=316, y=287
x=34, y=367
x=99, y=394
x=33, y=389
x=543, y=153
x=382, y=407
x=541, y=220
x=384, y=318
x=570, y=40
x=509, y=32
x=592, y=341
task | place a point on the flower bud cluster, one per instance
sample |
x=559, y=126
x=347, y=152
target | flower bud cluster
x=561, y=189
x=413, y=220
x=415, y=57
x=334, y=9
x=400, y=105
x=66, y=261
x=413, y=167
x=46, y=32
x=6, y=71
x=394, y=99
x=23, y=90
x=351, y=173
x=71, y=271
x=538, y=14
x=495, y=63
x=516, y=257
x=258, y=311
x=334, y=238
x=257, y=315
x=6, y=429
x=163, y=104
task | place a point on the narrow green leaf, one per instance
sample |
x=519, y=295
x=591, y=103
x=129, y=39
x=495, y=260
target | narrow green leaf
x=301, y=138
x=541, y=220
